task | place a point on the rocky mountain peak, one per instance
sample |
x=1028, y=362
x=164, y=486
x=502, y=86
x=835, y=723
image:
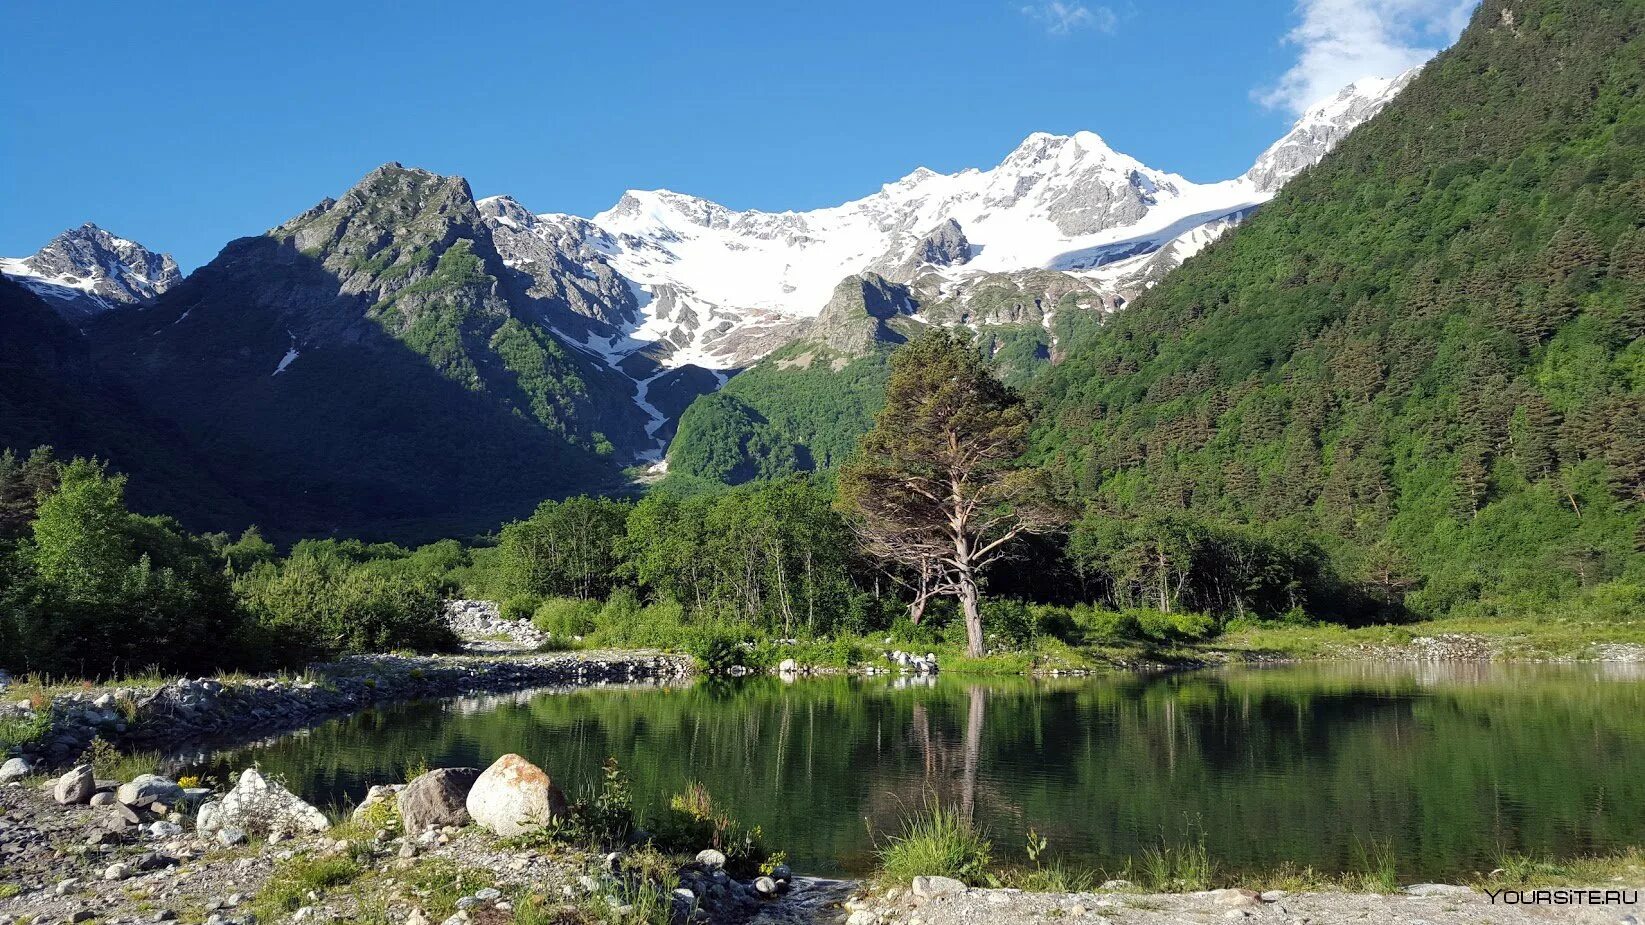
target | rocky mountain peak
x=86, y=271
x=1322, y=126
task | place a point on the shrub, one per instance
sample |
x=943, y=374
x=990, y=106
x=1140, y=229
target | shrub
x=693, y=822
x=566, y=616
x=520, y=607
x=937, y=841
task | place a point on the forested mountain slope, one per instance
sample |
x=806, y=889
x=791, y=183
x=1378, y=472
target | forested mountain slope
x=1426, y=349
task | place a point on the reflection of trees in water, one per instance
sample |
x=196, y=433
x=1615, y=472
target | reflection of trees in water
x=1291, y=764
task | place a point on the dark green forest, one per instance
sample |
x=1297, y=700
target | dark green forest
x=1425, y=352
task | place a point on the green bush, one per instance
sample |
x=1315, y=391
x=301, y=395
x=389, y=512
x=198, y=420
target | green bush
x=564, y=617
x=520, y=607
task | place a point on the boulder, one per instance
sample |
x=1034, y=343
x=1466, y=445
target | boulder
x=710, y=859
x=514, y=796
x=438, y=798
x=263, y=807
x=377, y=795
x=76, y=786
x=1234, y=898
x=149, y=788
x=930, y=887
x=15, y=769
x=1437, y=889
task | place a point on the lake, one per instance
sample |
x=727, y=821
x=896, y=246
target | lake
x=1450, y=765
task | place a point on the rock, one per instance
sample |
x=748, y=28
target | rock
x=145, y=789
x=514, y=796
x=82, y=915
x=103, y=798
x=863, y=917
x=161, y=830
x=376, y=796
x=1274, y=896
x=929, y=887
x=15, y=769
x=76, y=786
x=165, y=915
x=437, y=799
x=781, y=873
x=1437, y=889
x=117, y=871
x=788, y=666
x=1233, y=897
x=710, y=859
x=1116, y=885
x=766, y=887
x=263, y=807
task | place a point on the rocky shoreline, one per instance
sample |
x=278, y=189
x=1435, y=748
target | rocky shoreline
x=225, y=710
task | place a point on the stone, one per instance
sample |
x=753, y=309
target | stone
x=76, y=786
x=1274, y=896
x=1234, y=897
x=149, y=788
x=863, y=917
x=165, y=915
x=117, y=871
x=263, y=807
x=931, y=887
x=15, y=769
x=710, y=859
x=377, y=795
x=514, y=796
x=1437, y=889
x=161, y=830
x=781, y=873
x=766, y=887
x=437, y=799
x=82, y=915
x=1116, y=885
x=788, y=666
x=65, y=887
x=103, y=798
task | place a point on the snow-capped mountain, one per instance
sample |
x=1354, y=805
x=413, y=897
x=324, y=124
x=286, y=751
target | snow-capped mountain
x=86, y=271
x=1322, y=126
x=663, y=279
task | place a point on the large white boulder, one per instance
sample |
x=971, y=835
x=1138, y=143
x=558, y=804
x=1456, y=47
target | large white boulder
x=260, y=806
x=515, y=796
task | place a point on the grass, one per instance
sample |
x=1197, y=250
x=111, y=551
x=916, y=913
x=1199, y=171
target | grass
x=1529, y=870
x=439, y=882
x=8, y=890
x=109, y=763
x=1375, y=861
x=937, y=841
x=292, y=882
x=1175, y=868
x=1556, y=635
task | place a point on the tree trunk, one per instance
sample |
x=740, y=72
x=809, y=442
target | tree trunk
x=916, y=609
x=973, y=613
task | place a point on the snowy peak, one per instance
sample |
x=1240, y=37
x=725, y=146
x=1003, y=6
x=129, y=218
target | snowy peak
x=86, y=271
x=1322, y=126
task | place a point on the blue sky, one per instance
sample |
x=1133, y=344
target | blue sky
x=185, y=124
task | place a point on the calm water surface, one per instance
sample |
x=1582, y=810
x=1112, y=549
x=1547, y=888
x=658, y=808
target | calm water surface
x=1450, y=765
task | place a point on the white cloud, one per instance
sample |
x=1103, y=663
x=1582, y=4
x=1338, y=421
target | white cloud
x=1344, y=40
x=1064, y=18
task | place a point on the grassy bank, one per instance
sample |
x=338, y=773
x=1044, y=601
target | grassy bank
x=939, y=841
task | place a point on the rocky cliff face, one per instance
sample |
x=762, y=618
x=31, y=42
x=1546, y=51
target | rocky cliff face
x=1322, y=126
x=86, y=271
